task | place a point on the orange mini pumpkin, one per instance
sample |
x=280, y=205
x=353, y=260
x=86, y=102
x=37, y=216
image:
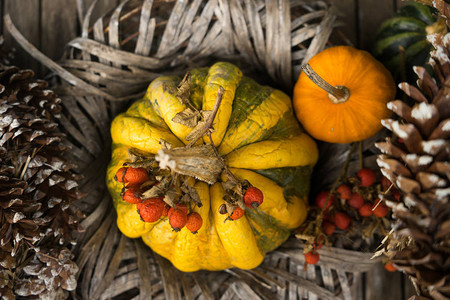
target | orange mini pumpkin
x=346, y=97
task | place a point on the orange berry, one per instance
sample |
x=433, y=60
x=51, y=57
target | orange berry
x=345, y=191
x=132, y=195
x=342, y=220
x=318, y=244
x=253, y=197
x=181, y=206
x=166, y=210
x=151, y=210
x=237, y=213
x=365, y=210
x=177, y=219
x=321, y=198
x=120, y=174
x=390, y=267
x=312, y=257
x=356, y=201
x=385, y=183
x=133, y=176
x=381, y=210
x=194, y=222
x=158, y=201
x=328, y=228
x=366, y=176
x=397, y=195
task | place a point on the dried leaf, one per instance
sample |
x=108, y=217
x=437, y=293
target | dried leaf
x=184, y=90
x=157, y=190
x=164, y=144
x=169, y=197
x=187, y=117
x=228, y=185
x=192, y=193
x=197, y=162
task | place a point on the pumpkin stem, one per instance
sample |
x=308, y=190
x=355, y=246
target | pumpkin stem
x=337, y=94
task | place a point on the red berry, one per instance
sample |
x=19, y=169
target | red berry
x=312, y=257
x=120, y=174
x=381, y=210
x=356, y=201
x=365, y=210
x=345, y=191
x=328, y=228
x=397, y=195
x=151, y=210
x=385, y=183
x=366, y=176
x=157, y=201
x=390, y=267
x=253, y=197
x=194, y=222
x=318, y=244
x=321, y=198
x=177, y=219
x=342, y=220
x=237, y=213
x=133, y=176
x=166, y=210
x=132, y=195
x=181, y=206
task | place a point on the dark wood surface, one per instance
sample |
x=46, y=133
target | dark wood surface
x=50, y=24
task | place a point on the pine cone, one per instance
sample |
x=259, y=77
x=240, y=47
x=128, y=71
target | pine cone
x=50, y=274
x=37, y=185
x=418, y=163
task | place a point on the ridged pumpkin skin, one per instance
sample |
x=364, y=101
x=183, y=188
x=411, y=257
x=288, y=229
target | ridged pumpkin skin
x=256, y=132
x=370, y=84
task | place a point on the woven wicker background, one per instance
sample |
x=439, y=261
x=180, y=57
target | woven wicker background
x=113, y=61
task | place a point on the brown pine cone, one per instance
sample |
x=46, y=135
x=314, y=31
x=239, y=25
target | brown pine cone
x=37, y=184
x=418, y=163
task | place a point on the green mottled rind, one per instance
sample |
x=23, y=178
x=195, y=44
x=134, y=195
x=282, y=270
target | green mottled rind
x=408, y=31
x=268, y=237
x=419, y=11
x=198, y=80
x=289, y=178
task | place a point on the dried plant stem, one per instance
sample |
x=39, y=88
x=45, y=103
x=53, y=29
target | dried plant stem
x=210, y=120
x=342, y=173
x=338, y=94
x=376, y=205
x=142, y=163
x=225, y=167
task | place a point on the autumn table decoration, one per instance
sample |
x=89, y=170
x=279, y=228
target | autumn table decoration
x=224, y=155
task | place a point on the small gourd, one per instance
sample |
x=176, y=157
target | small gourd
x=342, y=94
x=401, y=41
x=259, y=139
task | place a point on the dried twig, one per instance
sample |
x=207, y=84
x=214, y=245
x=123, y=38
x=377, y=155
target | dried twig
x=210, y=120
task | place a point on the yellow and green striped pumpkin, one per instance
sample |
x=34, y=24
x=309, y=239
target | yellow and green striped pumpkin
x=261, y=141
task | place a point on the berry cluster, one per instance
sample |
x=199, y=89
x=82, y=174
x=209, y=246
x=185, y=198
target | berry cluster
x=153, y=209
x=353, y=210
x=137, y=180
x=252, y=198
